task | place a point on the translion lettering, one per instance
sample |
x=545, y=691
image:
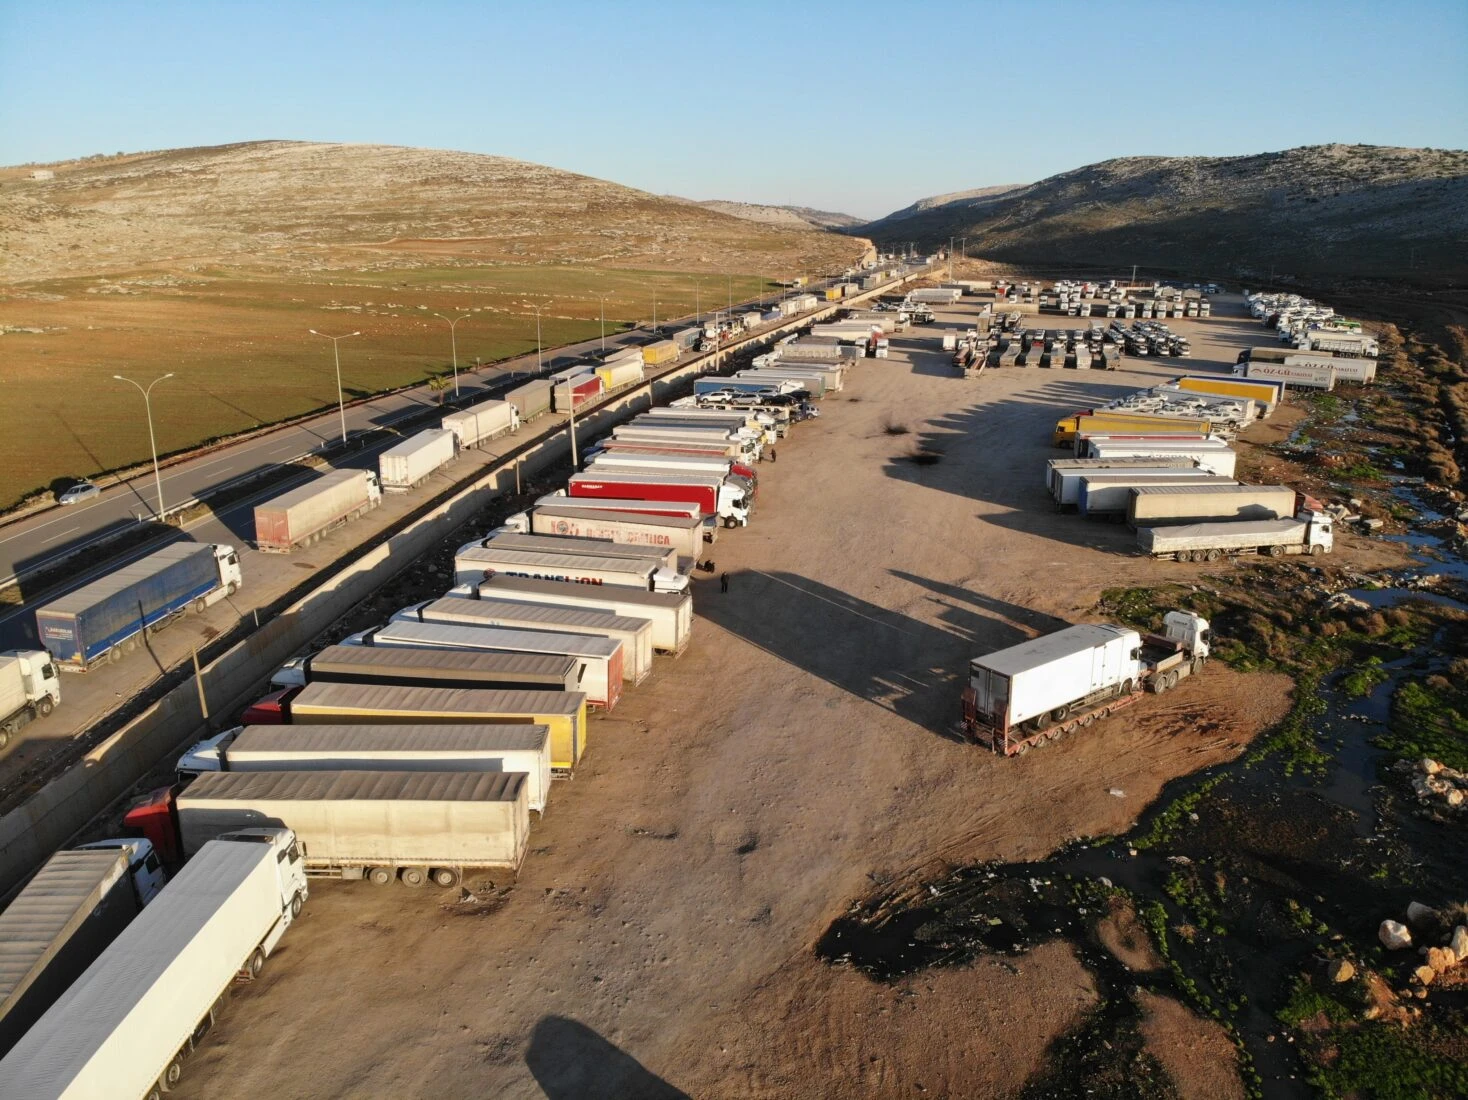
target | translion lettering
x=550, y=577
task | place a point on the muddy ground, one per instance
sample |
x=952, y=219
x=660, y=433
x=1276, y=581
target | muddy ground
x=660, y=938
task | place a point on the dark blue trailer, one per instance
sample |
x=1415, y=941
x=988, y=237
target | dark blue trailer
x=102, y=620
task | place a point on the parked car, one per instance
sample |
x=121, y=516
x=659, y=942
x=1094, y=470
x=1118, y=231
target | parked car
x=82, y=490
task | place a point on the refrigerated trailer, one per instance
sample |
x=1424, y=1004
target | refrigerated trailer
x=481, y=422
x=473, y=563
x=419, y=827
x=1107, y=496
x=432, y=667
x=1039, y=690
x=306, y=514
x=561, y=499
x=665, y=557
x=531, y=399
x=635, y=634
x=1167, y=505
x=1217, y=458
x=101, y=621
x=1069, y=427
x=483, y=747
x=596, y=663
x=671, y=614
x=415, y=459
x=1063, y=475
x=684, y=536
x=717, y=466
x=124, y=1028
x=66, y=915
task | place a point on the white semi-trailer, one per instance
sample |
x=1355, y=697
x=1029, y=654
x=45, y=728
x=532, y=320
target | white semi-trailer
x=671, y=613
x=1042, y=689
x=508, y=539
x=482, y=422
x=1307, y=533
x=473, y=563
x=683, y=535
x=410, y=463
x=126, y=1025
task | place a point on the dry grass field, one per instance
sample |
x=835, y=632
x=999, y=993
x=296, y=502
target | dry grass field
x=215, y=264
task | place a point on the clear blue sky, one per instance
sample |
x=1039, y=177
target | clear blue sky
x=854, y=106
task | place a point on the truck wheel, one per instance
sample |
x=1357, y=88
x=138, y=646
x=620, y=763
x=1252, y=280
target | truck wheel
x=231, y=588
x=1214, y=555
x=171, y=1076
x=4, y=738
x=1276, y=551
x=381, y=876
x=1159, y=685
x=45, y=706
x=256, y=964
x=297, y=904
x=1181, y=555
x=114, y=655
x=414, y=876
x=447, y=877
x=200, y=606
x=1085, y=720
x=1127, y=687
x=154, y=1093
x=1316, y=550
x=1060, y=714
x=1171, y=679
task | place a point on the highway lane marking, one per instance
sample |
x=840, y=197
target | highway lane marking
x=61, y=534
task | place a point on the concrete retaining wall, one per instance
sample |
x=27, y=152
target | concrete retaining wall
x=49, y=819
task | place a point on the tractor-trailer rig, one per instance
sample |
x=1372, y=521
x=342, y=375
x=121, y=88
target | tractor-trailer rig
x=510, y=537
x=671, y=614
x=381, y=826
x=465, y=608
x=715, y=496
x=415, y=459
x=473, y=563
x=672, y=463
x=1042, y=689
x=306, y=514
x=595, y=664
x=1215, y=456
x=67, y=914
x=482, y=422
x=1107, y=496
x=750, y=444
x=484, y=747
x=29, y=689
x=125, y=1027
x=1308, y=532
x=1167, y=505
x=101, y=621
x=531, y=399
x=563, y=712
x=431, y=667
x=1058, y=469
x=684, y=536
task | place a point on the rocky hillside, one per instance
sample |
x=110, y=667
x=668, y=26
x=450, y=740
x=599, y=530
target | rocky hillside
x=1322, y=211
x=294, y=206
x=793, y=216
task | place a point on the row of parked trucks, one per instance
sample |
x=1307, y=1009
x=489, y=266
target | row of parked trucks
x=413, y=752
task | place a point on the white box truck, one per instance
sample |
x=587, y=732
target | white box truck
x=126, y=1025
x=484, y=747
x=30, y=688
x=382, y=826
x=1044, y=688
x=412, y=461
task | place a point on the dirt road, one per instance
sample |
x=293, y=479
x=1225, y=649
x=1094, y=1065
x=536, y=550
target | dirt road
x=658, y=941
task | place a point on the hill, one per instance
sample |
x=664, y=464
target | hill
x=296, y=206
x=1323, y=211
x=792, y=216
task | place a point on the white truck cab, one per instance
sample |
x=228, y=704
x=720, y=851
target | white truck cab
x=231, y=578
x=1318, y=531
x=290, y=874
x=30, y=688
x=733, y=506
x=374, y=488
x=669, y=580
x=1190, y=629
x=208, y=755
x=144, y=868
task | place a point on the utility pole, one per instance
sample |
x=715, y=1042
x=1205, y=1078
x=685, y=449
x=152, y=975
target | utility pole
x=341, y=407
x=152, y=442
x=539, y=366
x=454, y=344
x=604, y=327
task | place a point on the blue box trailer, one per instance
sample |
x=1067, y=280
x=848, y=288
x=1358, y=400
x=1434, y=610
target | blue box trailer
x=100, y=620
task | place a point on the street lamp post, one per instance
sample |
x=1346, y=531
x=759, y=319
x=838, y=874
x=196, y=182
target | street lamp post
x=152, y=441
x=341, y=406
x=454, y=344
x=603, y=327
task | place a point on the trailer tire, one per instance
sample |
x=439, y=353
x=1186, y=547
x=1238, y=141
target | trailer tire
x=1214, y=554
x=172, y=1073
x=1171, y=679
x=446, y=877
x=1276, y=551
x=1316, y=550
x=381, y=876
x=4, y=738
x=114, y=655
x=1085, y=720
x=414, y=876
x=1127, y=687
x=256, y=964
x=154, y=1093
x=1181, y=555
x=45, y=706
x=1060, y=714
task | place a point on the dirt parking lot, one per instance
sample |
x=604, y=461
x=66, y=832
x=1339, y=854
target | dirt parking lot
x=659, y=939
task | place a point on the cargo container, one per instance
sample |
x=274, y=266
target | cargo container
x=935, y=295
x=687, y=339
x=1260, y=362
x=660, y=353
x=66, y=915
x=483, y=747
x=531, y=399
x=416, y=458
x=1215, y=458
x=1062, y=475
x=716, y=496
x=1107, y=496
x=564, y=712
x=715, y=449
x=434, y=667
x=642, y=507
x=589, y=665
x=473, y=563
x=832, y=376
x=465, y=607
x=671, y=615
x=307, y=514
x=1307, y=533
x=481, y=422
x=101, y=621
x=1264, y=394
x=1166, y=505
x=683, y=535
x=1311, y=376
x=1069, y=427
x=126, y=1025
x=29, y=689
x=1087, y=443
x=612, y=461
x=1040, y=689
x=575, y=392
x=747, y=445
x=616, y=375
x=509, y=538
x=416, y=826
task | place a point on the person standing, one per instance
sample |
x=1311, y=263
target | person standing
x=772, y=454
x=723, y=582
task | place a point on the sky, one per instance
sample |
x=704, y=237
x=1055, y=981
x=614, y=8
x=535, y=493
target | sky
x=857, y=107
